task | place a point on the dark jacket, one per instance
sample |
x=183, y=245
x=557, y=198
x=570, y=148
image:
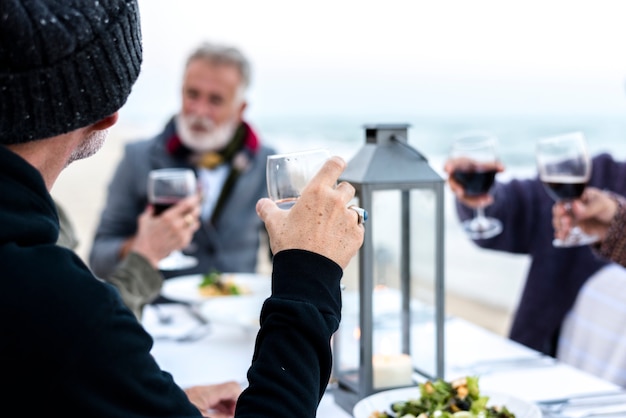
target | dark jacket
x=69, y=336
x=135, y=279
x=62, y=330
x=556, y=274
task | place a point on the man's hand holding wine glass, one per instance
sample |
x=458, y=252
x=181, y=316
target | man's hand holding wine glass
x=472, y=168
x=158, y=236
x=167, y=188
x=592, y=213
x=321, y=221
x=564, y=168
x=470, y=200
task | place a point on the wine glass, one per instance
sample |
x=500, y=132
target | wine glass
x=476, y=162
x=288, y=174
x=166, y=187
x=564, y=169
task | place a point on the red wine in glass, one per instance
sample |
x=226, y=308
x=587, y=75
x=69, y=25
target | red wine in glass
x=161, y=205
x=476, y=181
x=565, y=188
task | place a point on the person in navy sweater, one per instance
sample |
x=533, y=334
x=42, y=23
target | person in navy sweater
x=555, y=275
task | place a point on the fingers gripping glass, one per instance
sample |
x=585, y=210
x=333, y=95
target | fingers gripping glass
x=564, y=169
x=476, y=162
x=288, y=174
x=166, y=187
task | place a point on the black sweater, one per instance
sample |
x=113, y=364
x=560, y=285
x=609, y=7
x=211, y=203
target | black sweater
x=68, y=344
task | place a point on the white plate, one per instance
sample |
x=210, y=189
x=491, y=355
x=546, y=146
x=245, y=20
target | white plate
x=185, y=288
x=382, y=401
x=242, y=311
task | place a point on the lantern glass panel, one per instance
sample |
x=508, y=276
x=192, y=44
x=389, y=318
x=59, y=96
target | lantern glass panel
x=419, y=251
x=386, y=227
x=423, y=279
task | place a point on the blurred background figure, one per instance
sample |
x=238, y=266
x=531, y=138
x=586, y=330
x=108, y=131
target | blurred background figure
x=210, y=136
x=555, y=275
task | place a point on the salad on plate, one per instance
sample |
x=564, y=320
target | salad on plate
x=460, y=398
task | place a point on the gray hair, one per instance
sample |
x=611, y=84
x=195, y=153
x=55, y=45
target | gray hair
x=224, y=54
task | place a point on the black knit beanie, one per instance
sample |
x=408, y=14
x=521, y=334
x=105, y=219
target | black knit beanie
x=64, y=64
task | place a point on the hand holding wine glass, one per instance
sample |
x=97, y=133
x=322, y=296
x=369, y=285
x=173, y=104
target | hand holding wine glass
x=564, y=168
x=167, y=187
x=288, y=174
x=158, y=236
x=473, y=165
x=594, y=213
x=322, y=223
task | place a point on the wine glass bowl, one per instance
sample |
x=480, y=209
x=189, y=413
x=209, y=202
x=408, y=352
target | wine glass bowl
x=476, y=163
x=564, y=168
x=288, y=174
x=476, y=179
x=166, y=187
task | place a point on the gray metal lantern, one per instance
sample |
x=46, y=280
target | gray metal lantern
x=401, y=259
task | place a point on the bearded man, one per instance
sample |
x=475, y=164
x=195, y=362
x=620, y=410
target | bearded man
x=210, y=136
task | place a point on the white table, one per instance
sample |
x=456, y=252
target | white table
x=224, y=353
x=532, y=378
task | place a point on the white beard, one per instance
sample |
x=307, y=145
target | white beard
x=217, y=137
x=89, y=146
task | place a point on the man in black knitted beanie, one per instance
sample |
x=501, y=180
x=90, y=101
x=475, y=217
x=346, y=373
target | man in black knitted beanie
x=68, y=344
x=66, y=68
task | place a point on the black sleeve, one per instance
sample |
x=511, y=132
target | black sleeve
x=292, y=360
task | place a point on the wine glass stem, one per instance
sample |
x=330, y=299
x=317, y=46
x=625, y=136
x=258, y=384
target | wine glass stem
x=480, y=213
x=567, y=205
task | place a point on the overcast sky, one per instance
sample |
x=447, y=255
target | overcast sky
x=341, y=57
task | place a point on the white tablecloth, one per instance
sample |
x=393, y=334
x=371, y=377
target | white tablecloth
x=224, y=353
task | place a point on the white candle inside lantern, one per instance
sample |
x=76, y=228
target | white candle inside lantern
x=390, y=370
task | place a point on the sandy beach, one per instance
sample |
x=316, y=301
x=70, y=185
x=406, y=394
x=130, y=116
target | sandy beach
x=481, y=286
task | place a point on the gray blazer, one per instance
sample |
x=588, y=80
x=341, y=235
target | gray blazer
x=231, y=245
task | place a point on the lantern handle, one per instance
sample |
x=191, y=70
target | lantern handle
x=402, y=141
